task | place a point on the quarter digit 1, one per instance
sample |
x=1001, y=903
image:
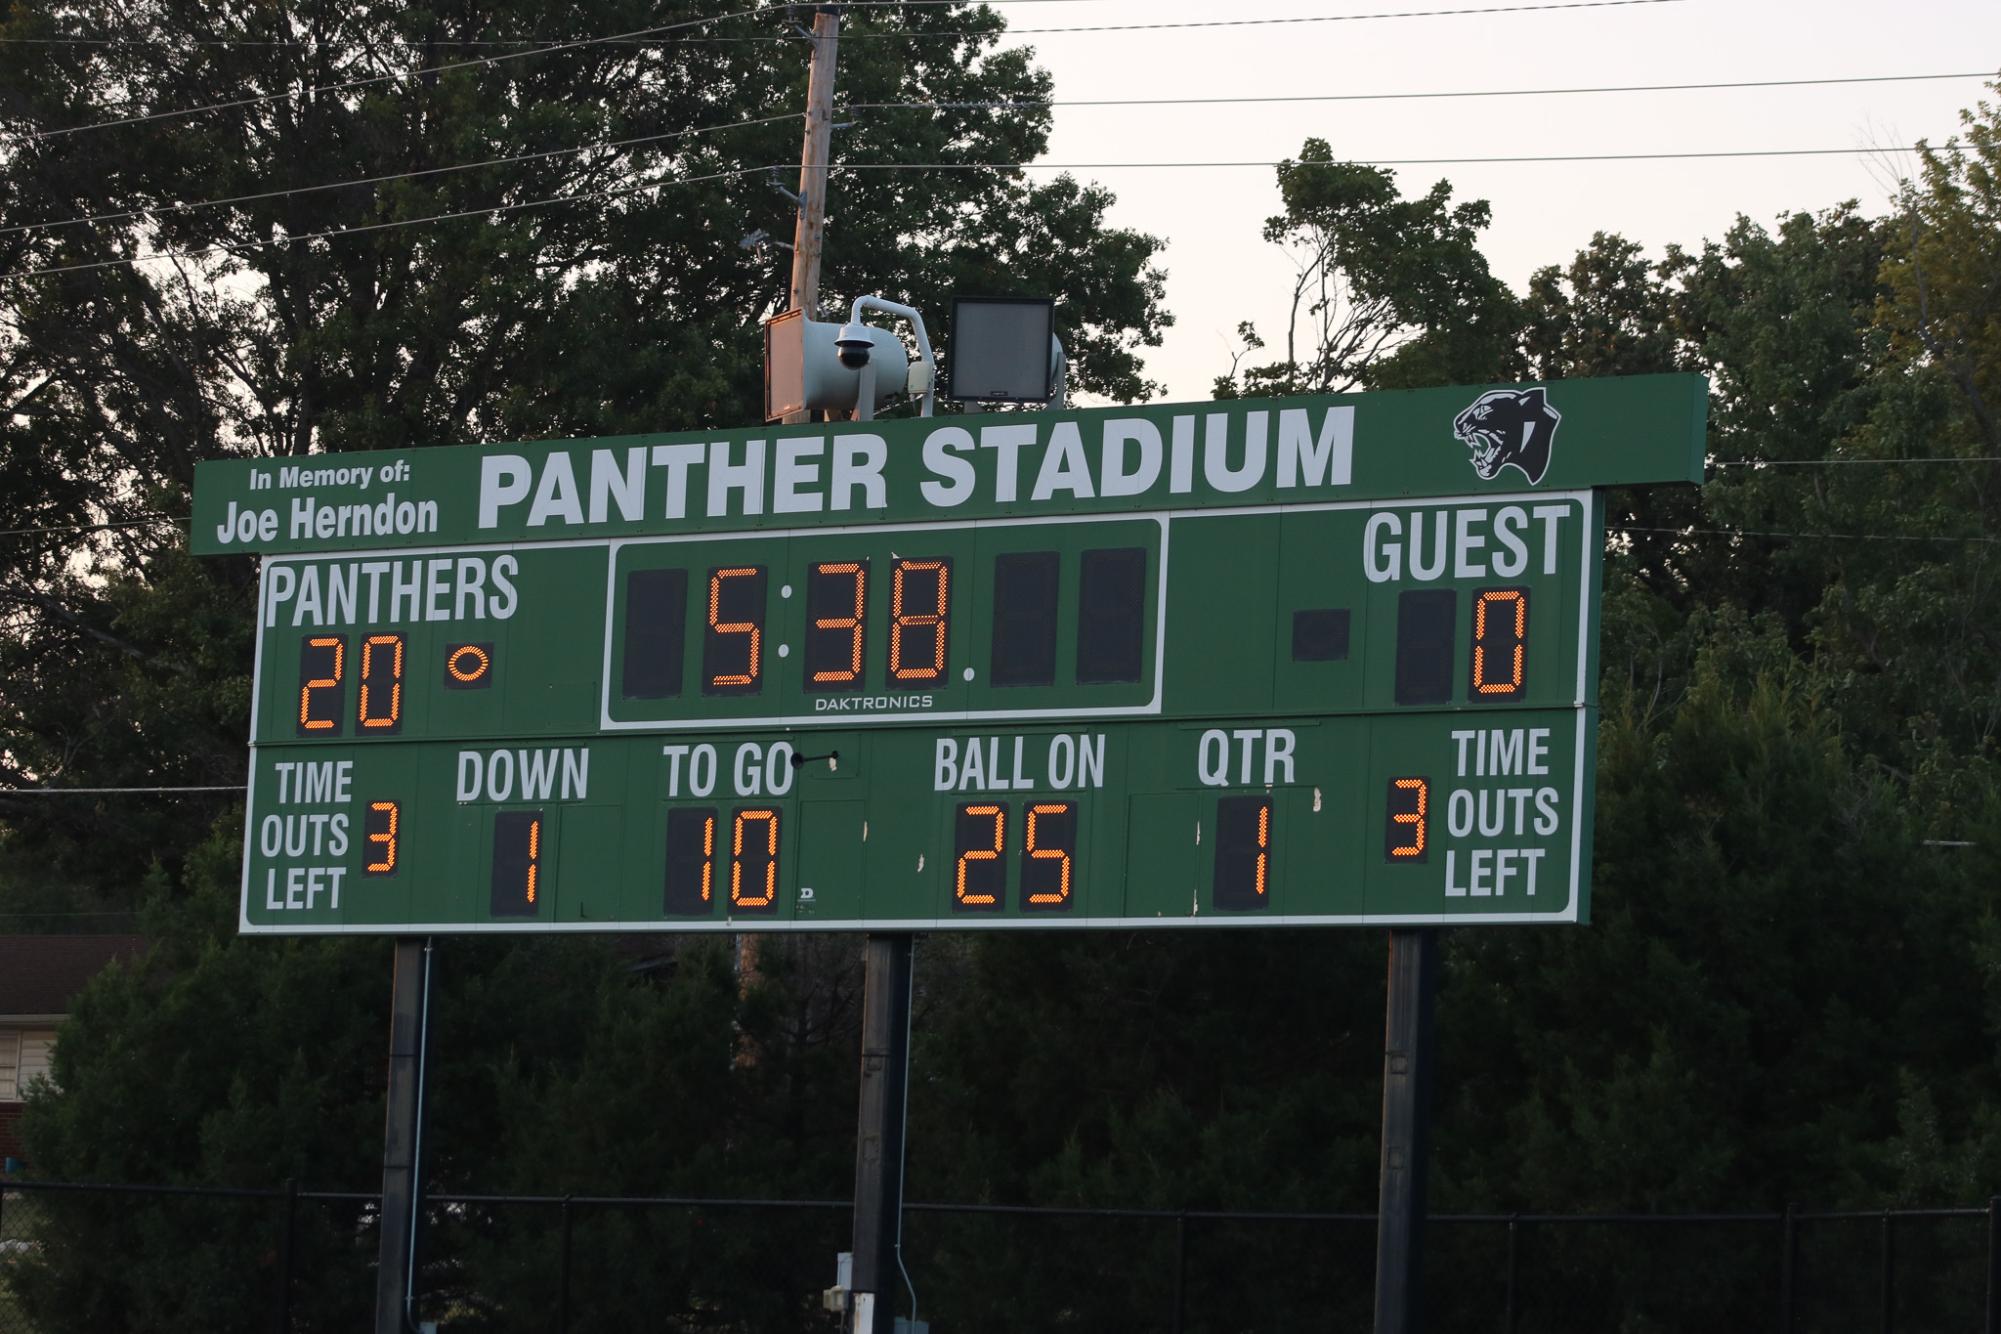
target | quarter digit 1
x=1243, y=852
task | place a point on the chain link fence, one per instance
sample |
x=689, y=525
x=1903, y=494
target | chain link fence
x=106, y=1259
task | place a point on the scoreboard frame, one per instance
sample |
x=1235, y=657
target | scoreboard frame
x=1167, y=729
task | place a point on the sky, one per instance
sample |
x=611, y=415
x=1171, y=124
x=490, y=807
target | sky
x=1220, y=270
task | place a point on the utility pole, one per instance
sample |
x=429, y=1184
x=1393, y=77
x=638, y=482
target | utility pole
x=807, y=233
x=812, y=224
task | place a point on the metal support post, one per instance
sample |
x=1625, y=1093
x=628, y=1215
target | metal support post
x=1994, y=1265
x=1887, y=1285
x=1512, y=1319
x=402, y=1137
x=879, y=1137
x=1180, y=1271
x=1789, y=1254
x=563, y=1274
x=1407, y=1062
x=288, y=1226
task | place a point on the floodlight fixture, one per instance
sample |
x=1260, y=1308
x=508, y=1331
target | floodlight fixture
x=1004, y=350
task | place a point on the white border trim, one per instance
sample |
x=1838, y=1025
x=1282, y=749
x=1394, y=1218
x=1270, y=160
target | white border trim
x=1569, y=914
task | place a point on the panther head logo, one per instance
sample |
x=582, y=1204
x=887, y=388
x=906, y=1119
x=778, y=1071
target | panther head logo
x=1509, y=428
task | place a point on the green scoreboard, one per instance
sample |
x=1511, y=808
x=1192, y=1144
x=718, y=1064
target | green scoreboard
x=1323, y=660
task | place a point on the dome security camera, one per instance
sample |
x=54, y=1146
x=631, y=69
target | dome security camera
x=853, y=345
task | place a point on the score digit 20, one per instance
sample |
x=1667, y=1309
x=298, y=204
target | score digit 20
x=376, y=658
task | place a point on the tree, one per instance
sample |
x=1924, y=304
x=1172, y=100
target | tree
x=1388, y=291
x=556, y=1068
x=593, y=283
x=530, y=243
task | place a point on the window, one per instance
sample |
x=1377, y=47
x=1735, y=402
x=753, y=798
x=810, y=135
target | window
x=10, y=1064
x=24, y=1058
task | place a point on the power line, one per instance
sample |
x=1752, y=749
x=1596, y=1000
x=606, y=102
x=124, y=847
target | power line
x=152, y=522
x=398, y=76
x=920, y=34
x=15, y=916
x=113, y=791
x=1828, y=537
x=181, y=207
x=639, y=39
x=1422, y=96
x=628, y=37
x=459, y=41
x=1383, y=161
x=387, y=226
x=1824, y=463
x=184, y=207
x=178, y=42
x=737, y=172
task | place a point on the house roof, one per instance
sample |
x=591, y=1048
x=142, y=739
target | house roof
x=41, y=974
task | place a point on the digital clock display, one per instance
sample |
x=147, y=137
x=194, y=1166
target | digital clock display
x=892, y=622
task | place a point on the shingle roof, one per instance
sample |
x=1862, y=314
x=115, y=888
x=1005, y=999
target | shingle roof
x=41, y=974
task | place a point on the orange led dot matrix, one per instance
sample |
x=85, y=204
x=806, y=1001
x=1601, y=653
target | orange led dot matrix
x=331, y=681
x=1502, y=601
x=966, y=896
x=1413, y=823
x=769, y=854
x=1264, y=846
x=534, y=856
x=391, y=647
x=708, y=858
x=688, y=887
x=517, y=884
x=902, y=622
x=722, y=627
x=382, y=823
x=851, y=623
x=468, y=663
x=1037, y=853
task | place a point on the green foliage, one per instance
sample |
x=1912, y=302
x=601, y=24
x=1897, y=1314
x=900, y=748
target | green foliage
x=571, y=293
x=1389, y=292
x=1791, y=989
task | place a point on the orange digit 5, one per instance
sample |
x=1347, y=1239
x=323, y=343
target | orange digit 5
x=721, y=627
